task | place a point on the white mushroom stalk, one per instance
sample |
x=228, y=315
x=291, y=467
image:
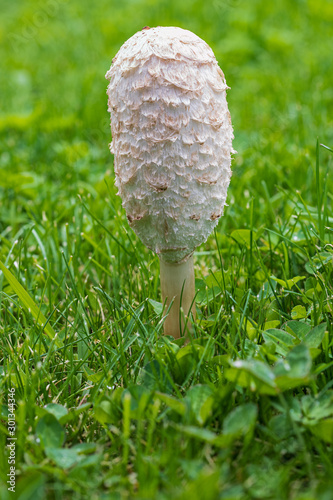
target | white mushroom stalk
x=172, y=144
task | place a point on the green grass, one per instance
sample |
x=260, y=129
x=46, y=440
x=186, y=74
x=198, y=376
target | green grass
x=107, y=407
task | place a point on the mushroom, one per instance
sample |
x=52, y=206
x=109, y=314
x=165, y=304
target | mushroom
x=172, y=144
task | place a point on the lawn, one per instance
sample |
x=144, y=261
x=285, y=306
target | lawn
x=105, y=405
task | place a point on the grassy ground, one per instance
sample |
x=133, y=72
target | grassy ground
x=106, y=406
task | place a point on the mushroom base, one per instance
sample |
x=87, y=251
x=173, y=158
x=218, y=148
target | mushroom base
x=177, y=286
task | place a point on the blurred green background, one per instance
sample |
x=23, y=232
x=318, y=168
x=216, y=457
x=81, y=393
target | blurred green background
x=277, y=58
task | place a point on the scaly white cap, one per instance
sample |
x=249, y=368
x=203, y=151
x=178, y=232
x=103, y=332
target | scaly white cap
x=171, y=138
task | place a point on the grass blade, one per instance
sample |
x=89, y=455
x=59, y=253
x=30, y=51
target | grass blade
x=30, y=305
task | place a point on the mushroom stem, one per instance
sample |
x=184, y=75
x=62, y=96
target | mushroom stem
x=177, y=284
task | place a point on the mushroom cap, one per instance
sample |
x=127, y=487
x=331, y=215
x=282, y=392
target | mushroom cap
x=171, y=138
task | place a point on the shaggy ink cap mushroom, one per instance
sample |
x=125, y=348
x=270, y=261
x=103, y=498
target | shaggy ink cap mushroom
x=172, y=144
